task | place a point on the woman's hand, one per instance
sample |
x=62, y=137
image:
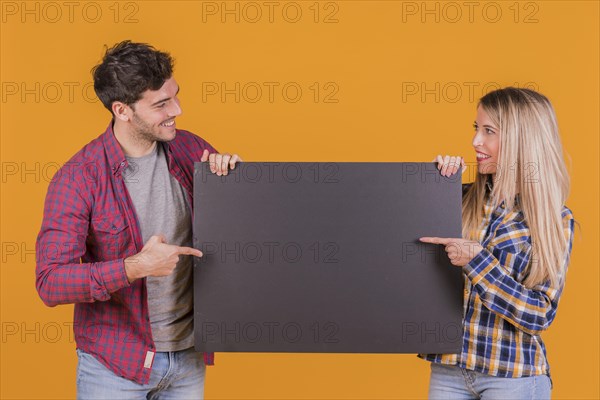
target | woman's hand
x=449, y=165
x=460, y=251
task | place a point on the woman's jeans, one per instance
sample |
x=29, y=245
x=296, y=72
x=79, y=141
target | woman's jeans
x=452, y=382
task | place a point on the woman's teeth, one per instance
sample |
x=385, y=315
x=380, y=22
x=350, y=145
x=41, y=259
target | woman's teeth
x=481, y=156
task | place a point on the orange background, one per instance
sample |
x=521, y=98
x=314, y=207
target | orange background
x=396, y=83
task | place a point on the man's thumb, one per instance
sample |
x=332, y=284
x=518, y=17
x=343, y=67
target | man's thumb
x=160, y=238
x=204, y=157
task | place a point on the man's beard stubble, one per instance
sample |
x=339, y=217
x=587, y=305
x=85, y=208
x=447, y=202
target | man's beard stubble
x=143, y=132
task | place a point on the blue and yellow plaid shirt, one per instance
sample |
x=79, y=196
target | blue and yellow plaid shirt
x=503, y=319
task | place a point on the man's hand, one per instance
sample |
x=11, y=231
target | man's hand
x=157, y=258
x=219, y=163
x=460, y=251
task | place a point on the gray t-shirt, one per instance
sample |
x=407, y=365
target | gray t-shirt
x=161, y=206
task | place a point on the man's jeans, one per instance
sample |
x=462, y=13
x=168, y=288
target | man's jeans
x=452, y=382
x=175, y=375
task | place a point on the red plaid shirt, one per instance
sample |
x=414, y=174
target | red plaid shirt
x=89, y=228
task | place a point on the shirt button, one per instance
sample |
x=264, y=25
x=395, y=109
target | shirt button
x=123, y=164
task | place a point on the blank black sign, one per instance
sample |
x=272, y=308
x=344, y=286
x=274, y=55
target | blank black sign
x=325, y=257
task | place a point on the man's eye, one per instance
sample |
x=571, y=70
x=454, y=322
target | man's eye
x=161, y=105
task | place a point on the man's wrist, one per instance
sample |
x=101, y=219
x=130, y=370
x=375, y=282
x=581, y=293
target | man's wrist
x=132, y=268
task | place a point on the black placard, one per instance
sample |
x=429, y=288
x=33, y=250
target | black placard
x=325, y=257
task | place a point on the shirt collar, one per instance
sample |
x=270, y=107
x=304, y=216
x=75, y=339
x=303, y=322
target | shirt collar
x=114, y=152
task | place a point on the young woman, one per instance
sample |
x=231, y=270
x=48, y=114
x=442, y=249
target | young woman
x=516, y=244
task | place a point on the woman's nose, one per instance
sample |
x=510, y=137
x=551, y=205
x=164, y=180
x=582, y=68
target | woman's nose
x=477, y=140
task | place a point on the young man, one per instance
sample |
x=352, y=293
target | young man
x=117, y=232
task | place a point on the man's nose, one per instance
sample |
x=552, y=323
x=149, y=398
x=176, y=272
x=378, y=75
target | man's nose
x=176, y=109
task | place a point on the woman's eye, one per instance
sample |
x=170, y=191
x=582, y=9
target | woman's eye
x=488, y=130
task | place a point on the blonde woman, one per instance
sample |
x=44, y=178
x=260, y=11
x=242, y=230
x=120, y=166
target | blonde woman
x=516, y=244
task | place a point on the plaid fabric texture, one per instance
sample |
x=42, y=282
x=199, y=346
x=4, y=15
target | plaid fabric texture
x=89, y=227
x=503, y=319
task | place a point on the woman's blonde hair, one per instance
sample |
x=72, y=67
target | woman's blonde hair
x=531, y=169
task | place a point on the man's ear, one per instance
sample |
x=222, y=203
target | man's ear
x=121, y=111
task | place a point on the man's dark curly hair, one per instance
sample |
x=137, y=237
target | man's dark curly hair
x=127, y=70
